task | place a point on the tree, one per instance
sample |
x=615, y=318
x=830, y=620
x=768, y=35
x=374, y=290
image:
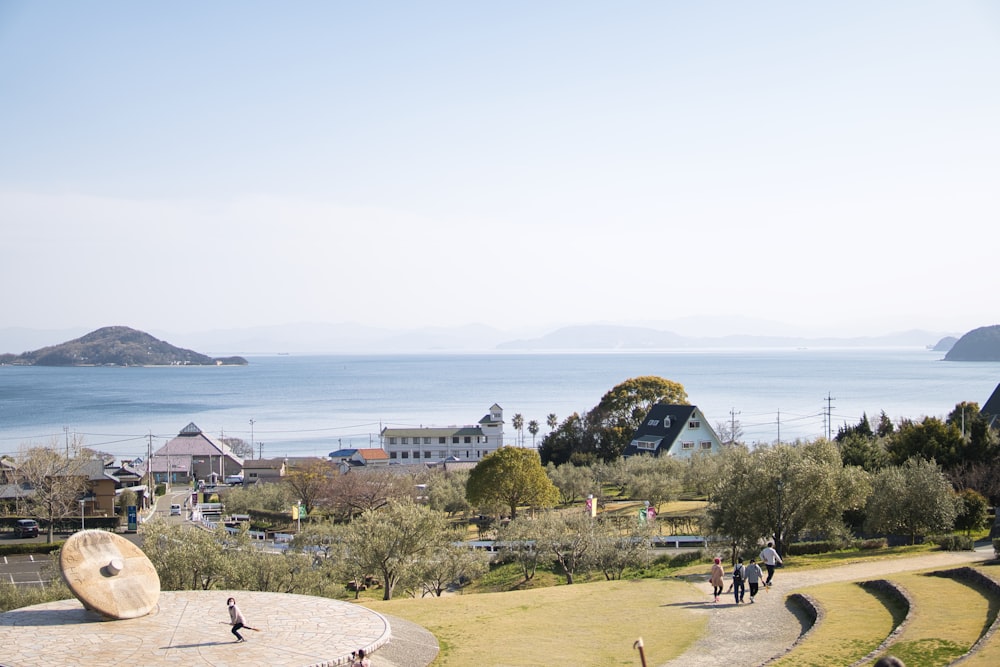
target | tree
x=552, y=420
x=533, y=429
x=309, y=482
x=511, y=476
x=654, y=479
x=570, y=537
x=615, y=552
x=186, y=557
x=393, y=541
x=913, y=499
x=782, y=490
x=573, y=482
x=54, y=484
x=240, y=447
x=570, y=439
x=973, y=513
x=622, y=409
x=453, y=565
x=518, y=423
x=365, y=489
x=446, y=492
x=928, y=439
x=516, y=542
x=269, y=497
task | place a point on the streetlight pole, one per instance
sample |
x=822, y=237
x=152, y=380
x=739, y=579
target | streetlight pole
x=82, y=526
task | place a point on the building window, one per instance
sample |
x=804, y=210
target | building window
x=404, y=455
x=694, y=423
x=706, y=444
x=653, y=422
x=468, y=439
x=687, y=445
x=646, y=444
x=486, y=439
x=442, y=440
x=427, y=441
x=392, y=440
x=392, y=455
x=454, y=439
x=427, y=454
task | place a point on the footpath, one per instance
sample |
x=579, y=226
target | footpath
x=748, y=635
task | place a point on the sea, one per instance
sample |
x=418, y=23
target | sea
x=289, y=405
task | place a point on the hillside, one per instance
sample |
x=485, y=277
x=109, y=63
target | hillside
x=117, y=346
x=982, y=344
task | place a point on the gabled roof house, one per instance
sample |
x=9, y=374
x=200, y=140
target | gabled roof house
x=991, y=409
x=673, y=430
x=210, y=459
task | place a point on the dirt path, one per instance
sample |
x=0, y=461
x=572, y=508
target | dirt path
x=747, y=635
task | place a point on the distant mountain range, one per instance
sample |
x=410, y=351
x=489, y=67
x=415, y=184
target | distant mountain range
x=348, y=338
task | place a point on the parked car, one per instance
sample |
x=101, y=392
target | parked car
x=234, y=480
x=175, y=510
x=26, y=528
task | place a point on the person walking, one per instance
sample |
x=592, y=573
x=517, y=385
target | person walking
x=717, y=578
x=236, y=619
x=753, y=575
x=739, y=573
x=770, y=558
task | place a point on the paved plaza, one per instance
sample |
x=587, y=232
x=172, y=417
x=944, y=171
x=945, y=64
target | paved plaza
x=191, y=628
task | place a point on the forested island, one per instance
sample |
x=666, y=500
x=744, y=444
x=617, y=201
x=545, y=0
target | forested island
x=116, y=346
x=982, y=344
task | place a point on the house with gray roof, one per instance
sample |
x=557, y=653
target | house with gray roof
x=210, y=460
x=991, y=409
x=431, y=444
x=673, y=430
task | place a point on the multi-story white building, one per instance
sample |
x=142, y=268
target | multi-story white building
x=431, y=444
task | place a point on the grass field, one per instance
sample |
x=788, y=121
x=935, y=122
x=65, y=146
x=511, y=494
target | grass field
x=583, y=624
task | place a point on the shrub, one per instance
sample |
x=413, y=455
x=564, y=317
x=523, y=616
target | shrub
x=819, y=547
x=950, y=542
x=996, y=548
x=874, y=543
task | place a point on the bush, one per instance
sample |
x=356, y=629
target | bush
x=160, y=489
x=872, y=544
x=996, y=548
x=807, y=548
x=949, y=542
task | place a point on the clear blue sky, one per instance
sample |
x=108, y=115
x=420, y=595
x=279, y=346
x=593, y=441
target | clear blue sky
x=188, y=166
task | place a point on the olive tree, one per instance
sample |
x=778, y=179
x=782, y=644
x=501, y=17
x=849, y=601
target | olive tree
x=913, y=499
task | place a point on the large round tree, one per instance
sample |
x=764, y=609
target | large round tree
x=513, y=477
x=623, y=408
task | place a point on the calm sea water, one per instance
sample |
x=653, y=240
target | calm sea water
x=312, y=405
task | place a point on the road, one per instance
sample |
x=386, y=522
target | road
x=34, y=570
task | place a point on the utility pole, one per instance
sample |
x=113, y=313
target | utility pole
x=732, y=426
x=829, y=414
x=66, y=431
x=260, y=450
x=251, y=438
x=779, y=426
x=151, y=487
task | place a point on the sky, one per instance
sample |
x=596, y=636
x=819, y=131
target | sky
x=191, y=166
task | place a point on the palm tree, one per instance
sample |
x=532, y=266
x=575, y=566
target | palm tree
x=533, y=430
x=518, y=423
x=552, y=421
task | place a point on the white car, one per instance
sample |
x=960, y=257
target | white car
x=175, y=510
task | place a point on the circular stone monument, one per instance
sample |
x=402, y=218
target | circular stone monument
x=109, y=574
x=191, y=628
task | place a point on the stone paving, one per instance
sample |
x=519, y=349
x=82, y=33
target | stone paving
x=191, y=628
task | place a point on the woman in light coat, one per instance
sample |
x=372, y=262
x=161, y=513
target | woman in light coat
x=716, y=578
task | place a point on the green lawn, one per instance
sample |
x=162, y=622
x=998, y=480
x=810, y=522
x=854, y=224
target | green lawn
x=584, y=625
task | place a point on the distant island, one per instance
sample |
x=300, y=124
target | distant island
x=982, y=344
x=116, y=346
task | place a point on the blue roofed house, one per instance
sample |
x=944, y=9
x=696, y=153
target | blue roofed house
x=673, y=430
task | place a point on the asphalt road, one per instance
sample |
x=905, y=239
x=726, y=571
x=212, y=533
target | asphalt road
x=33, y=570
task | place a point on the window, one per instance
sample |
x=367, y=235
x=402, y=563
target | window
x=653, y=422
x=404, y=455
x=694, y=423
x=646, y=444
x=392, y=440
x=392, y=455
x=687, y=445
x=706, y=444
x=404, y=441
x=454, y=439
x=442, y=440
x=468, y=439
x=427, y=454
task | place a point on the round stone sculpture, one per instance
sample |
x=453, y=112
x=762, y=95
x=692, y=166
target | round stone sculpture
x=109, y=574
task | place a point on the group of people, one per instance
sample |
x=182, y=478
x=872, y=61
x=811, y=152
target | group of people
x=745, y=575
x=236, y=619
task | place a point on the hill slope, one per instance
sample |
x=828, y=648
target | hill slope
x=116, y=346
x=982, y=344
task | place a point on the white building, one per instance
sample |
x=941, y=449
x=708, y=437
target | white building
x=432, y=444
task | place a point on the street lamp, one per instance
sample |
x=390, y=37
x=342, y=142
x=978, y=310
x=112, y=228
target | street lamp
x=82, y=526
